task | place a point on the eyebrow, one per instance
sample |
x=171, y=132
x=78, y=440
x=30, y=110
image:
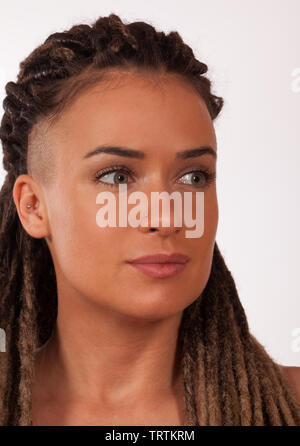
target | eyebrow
x=130, y=153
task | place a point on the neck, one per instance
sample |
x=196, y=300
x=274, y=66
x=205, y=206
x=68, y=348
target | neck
x=98, y=355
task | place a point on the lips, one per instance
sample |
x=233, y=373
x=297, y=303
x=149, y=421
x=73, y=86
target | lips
x=162, y=258
x=160, y=265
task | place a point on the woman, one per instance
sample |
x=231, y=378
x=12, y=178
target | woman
x=95, y=335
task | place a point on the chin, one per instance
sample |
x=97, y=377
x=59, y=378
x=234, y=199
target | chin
x=154, y=307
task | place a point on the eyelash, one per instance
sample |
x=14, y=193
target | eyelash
x=209, y=176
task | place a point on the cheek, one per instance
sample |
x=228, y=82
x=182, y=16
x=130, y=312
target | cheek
x=207, y=222
x=211, y=217
x=202, y=248
x=84, y=251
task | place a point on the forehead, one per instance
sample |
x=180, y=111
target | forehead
x=142, y=111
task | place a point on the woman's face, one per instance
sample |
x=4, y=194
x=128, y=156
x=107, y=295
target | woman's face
x=158, y=116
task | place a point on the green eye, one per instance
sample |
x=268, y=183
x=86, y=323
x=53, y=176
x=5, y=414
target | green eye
x=195, y=178
x=113, y=176
x=117, y=178
x=198, y=178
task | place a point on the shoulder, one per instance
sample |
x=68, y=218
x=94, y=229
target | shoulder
x=292, y=376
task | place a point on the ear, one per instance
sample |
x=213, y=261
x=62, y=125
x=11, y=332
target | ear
x=34, y=219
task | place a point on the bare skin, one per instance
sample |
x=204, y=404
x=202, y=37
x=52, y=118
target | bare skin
x=146, y=409
x=112, y=358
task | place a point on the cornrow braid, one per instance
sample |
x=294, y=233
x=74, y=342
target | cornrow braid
x=229, y=379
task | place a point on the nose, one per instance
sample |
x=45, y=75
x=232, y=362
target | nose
x=161, y=222
x=161, y=230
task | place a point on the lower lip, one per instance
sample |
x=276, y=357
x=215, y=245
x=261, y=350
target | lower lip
x=159, y=270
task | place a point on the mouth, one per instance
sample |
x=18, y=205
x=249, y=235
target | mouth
x=160, y=265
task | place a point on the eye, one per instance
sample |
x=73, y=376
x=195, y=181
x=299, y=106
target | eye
x=199, y=178
x=113, y=176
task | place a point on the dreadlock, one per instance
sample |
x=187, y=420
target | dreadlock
x=229, y=378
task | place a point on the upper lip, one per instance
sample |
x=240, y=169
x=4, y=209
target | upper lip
x=175, y=257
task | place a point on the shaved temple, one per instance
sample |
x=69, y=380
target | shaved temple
x=40, y=153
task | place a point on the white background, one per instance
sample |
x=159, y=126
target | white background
x=252, y=49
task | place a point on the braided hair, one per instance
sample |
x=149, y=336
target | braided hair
x=229, y=378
